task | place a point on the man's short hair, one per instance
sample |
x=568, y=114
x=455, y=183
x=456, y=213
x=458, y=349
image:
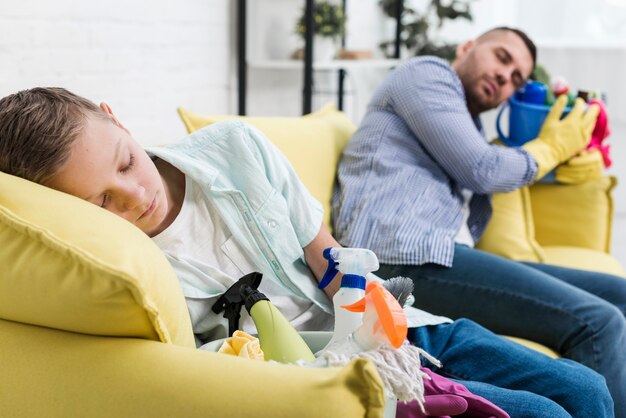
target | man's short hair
x=527, y=41
x=37, y=129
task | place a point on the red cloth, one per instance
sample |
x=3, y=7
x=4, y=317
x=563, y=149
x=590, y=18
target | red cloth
x=600, y=132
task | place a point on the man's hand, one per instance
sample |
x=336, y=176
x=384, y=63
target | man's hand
x=559, y=140
x=586, y=166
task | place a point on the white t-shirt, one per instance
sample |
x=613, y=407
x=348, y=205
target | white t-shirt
x=197, y=234
x=464, y=236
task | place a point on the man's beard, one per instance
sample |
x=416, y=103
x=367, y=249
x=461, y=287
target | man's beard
x=476, y=99
x=475, y=103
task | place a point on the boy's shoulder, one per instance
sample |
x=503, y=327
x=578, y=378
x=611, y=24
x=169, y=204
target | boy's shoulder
x=222, y=129
x=227, y=133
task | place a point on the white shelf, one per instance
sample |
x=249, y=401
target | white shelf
x=326, y=65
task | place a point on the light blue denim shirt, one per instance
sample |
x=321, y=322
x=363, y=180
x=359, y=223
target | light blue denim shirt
x=402, y=173
x=265, y=207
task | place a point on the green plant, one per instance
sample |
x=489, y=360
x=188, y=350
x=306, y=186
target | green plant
x=416, y=27
x=329, y=20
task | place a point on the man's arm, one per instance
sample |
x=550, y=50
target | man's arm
x=313, y=254
x=429, y=98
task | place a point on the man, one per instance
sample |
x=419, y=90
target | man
x=414, y=186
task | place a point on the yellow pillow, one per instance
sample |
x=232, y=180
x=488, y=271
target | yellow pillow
x=69, y=265
x=312, y=143
x=579, y=215
x=511, y=232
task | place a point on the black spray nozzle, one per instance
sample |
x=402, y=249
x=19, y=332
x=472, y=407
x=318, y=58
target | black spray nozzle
x=235, y=297
x=251, y=296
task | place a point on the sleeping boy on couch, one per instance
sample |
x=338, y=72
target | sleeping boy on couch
x=225, y=202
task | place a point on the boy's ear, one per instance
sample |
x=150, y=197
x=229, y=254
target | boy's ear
x=107, y=109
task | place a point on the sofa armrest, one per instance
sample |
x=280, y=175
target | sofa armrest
x=577, y=215
x=54, y=373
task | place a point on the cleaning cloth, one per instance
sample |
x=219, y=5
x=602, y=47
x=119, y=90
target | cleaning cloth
x=243, y=345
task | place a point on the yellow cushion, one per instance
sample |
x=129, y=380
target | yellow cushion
x=510, y=232
x=583, y=259
x=70, y=265
x=50, y=373
x=312, y=144
x=578, y=215
x=535, y=346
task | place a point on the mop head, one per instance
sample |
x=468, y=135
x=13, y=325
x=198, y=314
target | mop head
x=399, y=368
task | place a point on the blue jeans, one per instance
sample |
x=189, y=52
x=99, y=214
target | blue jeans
x=579, y=314
x=519, y=380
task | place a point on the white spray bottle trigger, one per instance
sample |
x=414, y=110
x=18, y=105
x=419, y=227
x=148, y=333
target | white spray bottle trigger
x=359, y=261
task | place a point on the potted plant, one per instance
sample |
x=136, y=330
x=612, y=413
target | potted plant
x=417, y=26
x=328, y=25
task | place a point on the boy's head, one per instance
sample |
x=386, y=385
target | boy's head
x=56, y=138
x=37, y=130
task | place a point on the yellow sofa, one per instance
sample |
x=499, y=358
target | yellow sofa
x=567, y=225
x=93, y=323
x=561, y=224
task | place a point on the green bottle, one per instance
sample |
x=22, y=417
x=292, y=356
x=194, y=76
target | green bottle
x=278, y=338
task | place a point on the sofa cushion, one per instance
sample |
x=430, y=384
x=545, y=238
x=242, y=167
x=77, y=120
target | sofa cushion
x=583, y=259
x=511, y=231
x=70, y=265
x=535, y=346
x=578, y=215
x=313, y=143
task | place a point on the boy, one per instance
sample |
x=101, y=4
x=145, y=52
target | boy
x=225, y=202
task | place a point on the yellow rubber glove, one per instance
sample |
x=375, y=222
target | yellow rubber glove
x=586, y=166
x=559, y=140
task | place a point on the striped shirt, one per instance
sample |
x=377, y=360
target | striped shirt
x=400, y=179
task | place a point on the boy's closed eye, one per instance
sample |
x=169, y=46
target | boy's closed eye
x=127, y=167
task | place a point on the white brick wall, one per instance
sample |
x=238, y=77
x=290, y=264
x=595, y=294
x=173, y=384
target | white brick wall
x=143, y=57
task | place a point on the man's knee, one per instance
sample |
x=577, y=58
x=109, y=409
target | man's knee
x=603, y=324
x=591, y=392
x=614, y=319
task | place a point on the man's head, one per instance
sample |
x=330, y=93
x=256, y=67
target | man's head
x=63, y=141
x=493, y=66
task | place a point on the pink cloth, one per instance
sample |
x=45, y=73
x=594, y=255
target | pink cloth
x=600, y=132
x=445, y=398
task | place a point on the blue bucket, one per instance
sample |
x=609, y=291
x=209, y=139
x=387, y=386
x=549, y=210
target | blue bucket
x=525, y=120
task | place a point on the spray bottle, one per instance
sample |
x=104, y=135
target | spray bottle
x=384, y=322
x=278, y=338
x=354, y=263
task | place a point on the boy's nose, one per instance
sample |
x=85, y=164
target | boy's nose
x=131, y=198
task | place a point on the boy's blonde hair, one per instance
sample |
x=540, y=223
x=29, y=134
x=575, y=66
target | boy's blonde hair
x=37, y=129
